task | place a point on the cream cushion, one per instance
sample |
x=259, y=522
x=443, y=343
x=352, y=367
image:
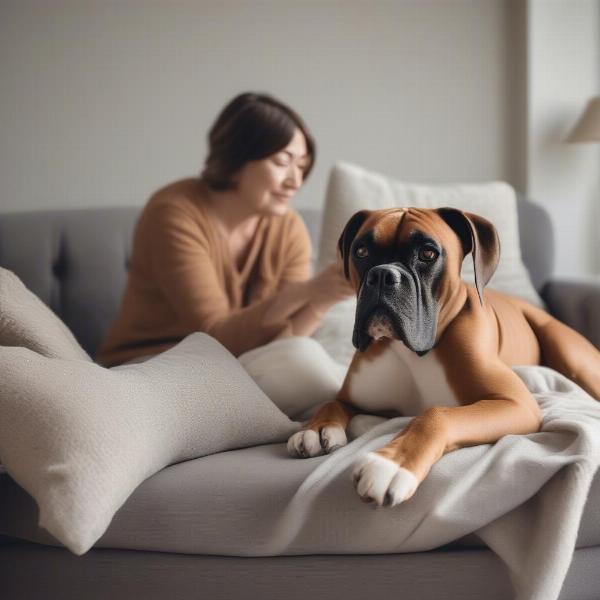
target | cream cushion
x=80, y=438
x=352, y=188
x=26, y=321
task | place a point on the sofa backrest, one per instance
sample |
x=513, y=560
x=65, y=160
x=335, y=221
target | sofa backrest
x=76, y=260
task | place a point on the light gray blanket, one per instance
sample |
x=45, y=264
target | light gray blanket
x=523, y=496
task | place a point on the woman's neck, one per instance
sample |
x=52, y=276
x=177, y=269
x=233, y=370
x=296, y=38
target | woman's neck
x=230, y=210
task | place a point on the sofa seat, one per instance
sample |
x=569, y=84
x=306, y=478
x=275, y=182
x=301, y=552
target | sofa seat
x=76, y=262
x=228, y=504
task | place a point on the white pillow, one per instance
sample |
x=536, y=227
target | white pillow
x=295, y=373
x=26, y=321
x=352, y=188
x=80, y=438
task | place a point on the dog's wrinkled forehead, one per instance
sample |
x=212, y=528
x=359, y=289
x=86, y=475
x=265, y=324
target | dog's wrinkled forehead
x=385, y=225
x=396, y=226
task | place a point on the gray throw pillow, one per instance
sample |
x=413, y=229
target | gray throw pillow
x=26, y=321
x=80, y=438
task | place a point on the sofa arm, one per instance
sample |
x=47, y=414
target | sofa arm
x=576, y=303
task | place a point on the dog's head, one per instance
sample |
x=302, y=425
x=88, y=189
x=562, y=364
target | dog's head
x=405, y=265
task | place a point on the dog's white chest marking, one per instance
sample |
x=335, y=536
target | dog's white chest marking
x=400, y=380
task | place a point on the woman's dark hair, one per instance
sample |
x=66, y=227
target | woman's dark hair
x=251, y=127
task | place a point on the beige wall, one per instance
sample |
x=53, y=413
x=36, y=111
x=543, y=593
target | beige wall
x=102, y=101
x=564, y=72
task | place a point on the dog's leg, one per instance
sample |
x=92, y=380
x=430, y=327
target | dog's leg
x=392, y=474
x=565, y=350
x=324, y=432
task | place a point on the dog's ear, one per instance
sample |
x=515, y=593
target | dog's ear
x=479, y=237
x=348, y=235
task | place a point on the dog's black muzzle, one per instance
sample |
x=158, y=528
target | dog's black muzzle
x=392, y=291
x=383, y=279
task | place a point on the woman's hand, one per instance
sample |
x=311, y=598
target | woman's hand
x=309, y=300
x=303, y=303
x=328, y=287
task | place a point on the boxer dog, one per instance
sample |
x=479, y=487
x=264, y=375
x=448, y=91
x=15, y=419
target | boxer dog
x=431, y=346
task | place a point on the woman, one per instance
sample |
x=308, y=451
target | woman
x=224, y=253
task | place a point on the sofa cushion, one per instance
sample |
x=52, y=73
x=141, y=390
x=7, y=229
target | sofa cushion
x=225, y=504
x=352, y=188
x=26, y=321
x=80, y=438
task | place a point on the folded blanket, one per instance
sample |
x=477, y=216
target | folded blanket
x=523, y=496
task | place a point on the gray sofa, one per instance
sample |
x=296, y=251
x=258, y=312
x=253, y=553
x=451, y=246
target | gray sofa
x=75, y=260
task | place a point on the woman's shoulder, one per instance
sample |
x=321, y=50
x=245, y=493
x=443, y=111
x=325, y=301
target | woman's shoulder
x=173, y=207
x=179, y=199
x=180, y=193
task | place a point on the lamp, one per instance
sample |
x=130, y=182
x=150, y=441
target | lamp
x=587, y=128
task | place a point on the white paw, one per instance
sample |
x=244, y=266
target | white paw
x=381, y=480
x=307, y=443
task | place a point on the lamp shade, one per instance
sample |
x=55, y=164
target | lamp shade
x=587, y=128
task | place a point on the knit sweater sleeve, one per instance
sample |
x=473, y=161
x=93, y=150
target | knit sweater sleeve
x=298, y=249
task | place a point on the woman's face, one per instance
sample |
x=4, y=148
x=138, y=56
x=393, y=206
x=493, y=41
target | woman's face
x=268, y=185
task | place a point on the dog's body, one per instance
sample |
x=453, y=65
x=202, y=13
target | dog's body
x=388, y=376
x=433, y=347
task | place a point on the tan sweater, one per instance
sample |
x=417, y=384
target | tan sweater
x=182, y=278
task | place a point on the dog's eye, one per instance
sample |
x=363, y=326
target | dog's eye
x=428, y=254
x=361, y=251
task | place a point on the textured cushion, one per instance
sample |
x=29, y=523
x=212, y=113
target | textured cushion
x=80, y=438
x=352, y=188
x=26, y=321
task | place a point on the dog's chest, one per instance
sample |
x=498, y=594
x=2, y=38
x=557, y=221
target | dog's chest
x=399, y=380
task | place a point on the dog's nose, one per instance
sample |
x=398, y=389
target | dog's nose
x=383, y=276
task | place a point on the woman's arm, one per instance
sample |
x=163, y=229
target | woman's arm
x=324, y=290
x=185, y=271
x=182, y=263
x=312, y=297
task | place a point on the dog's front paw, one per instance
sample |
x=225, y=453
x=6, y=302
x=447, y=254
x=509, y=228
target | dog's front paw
x=382, y=481
x=308, y=442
